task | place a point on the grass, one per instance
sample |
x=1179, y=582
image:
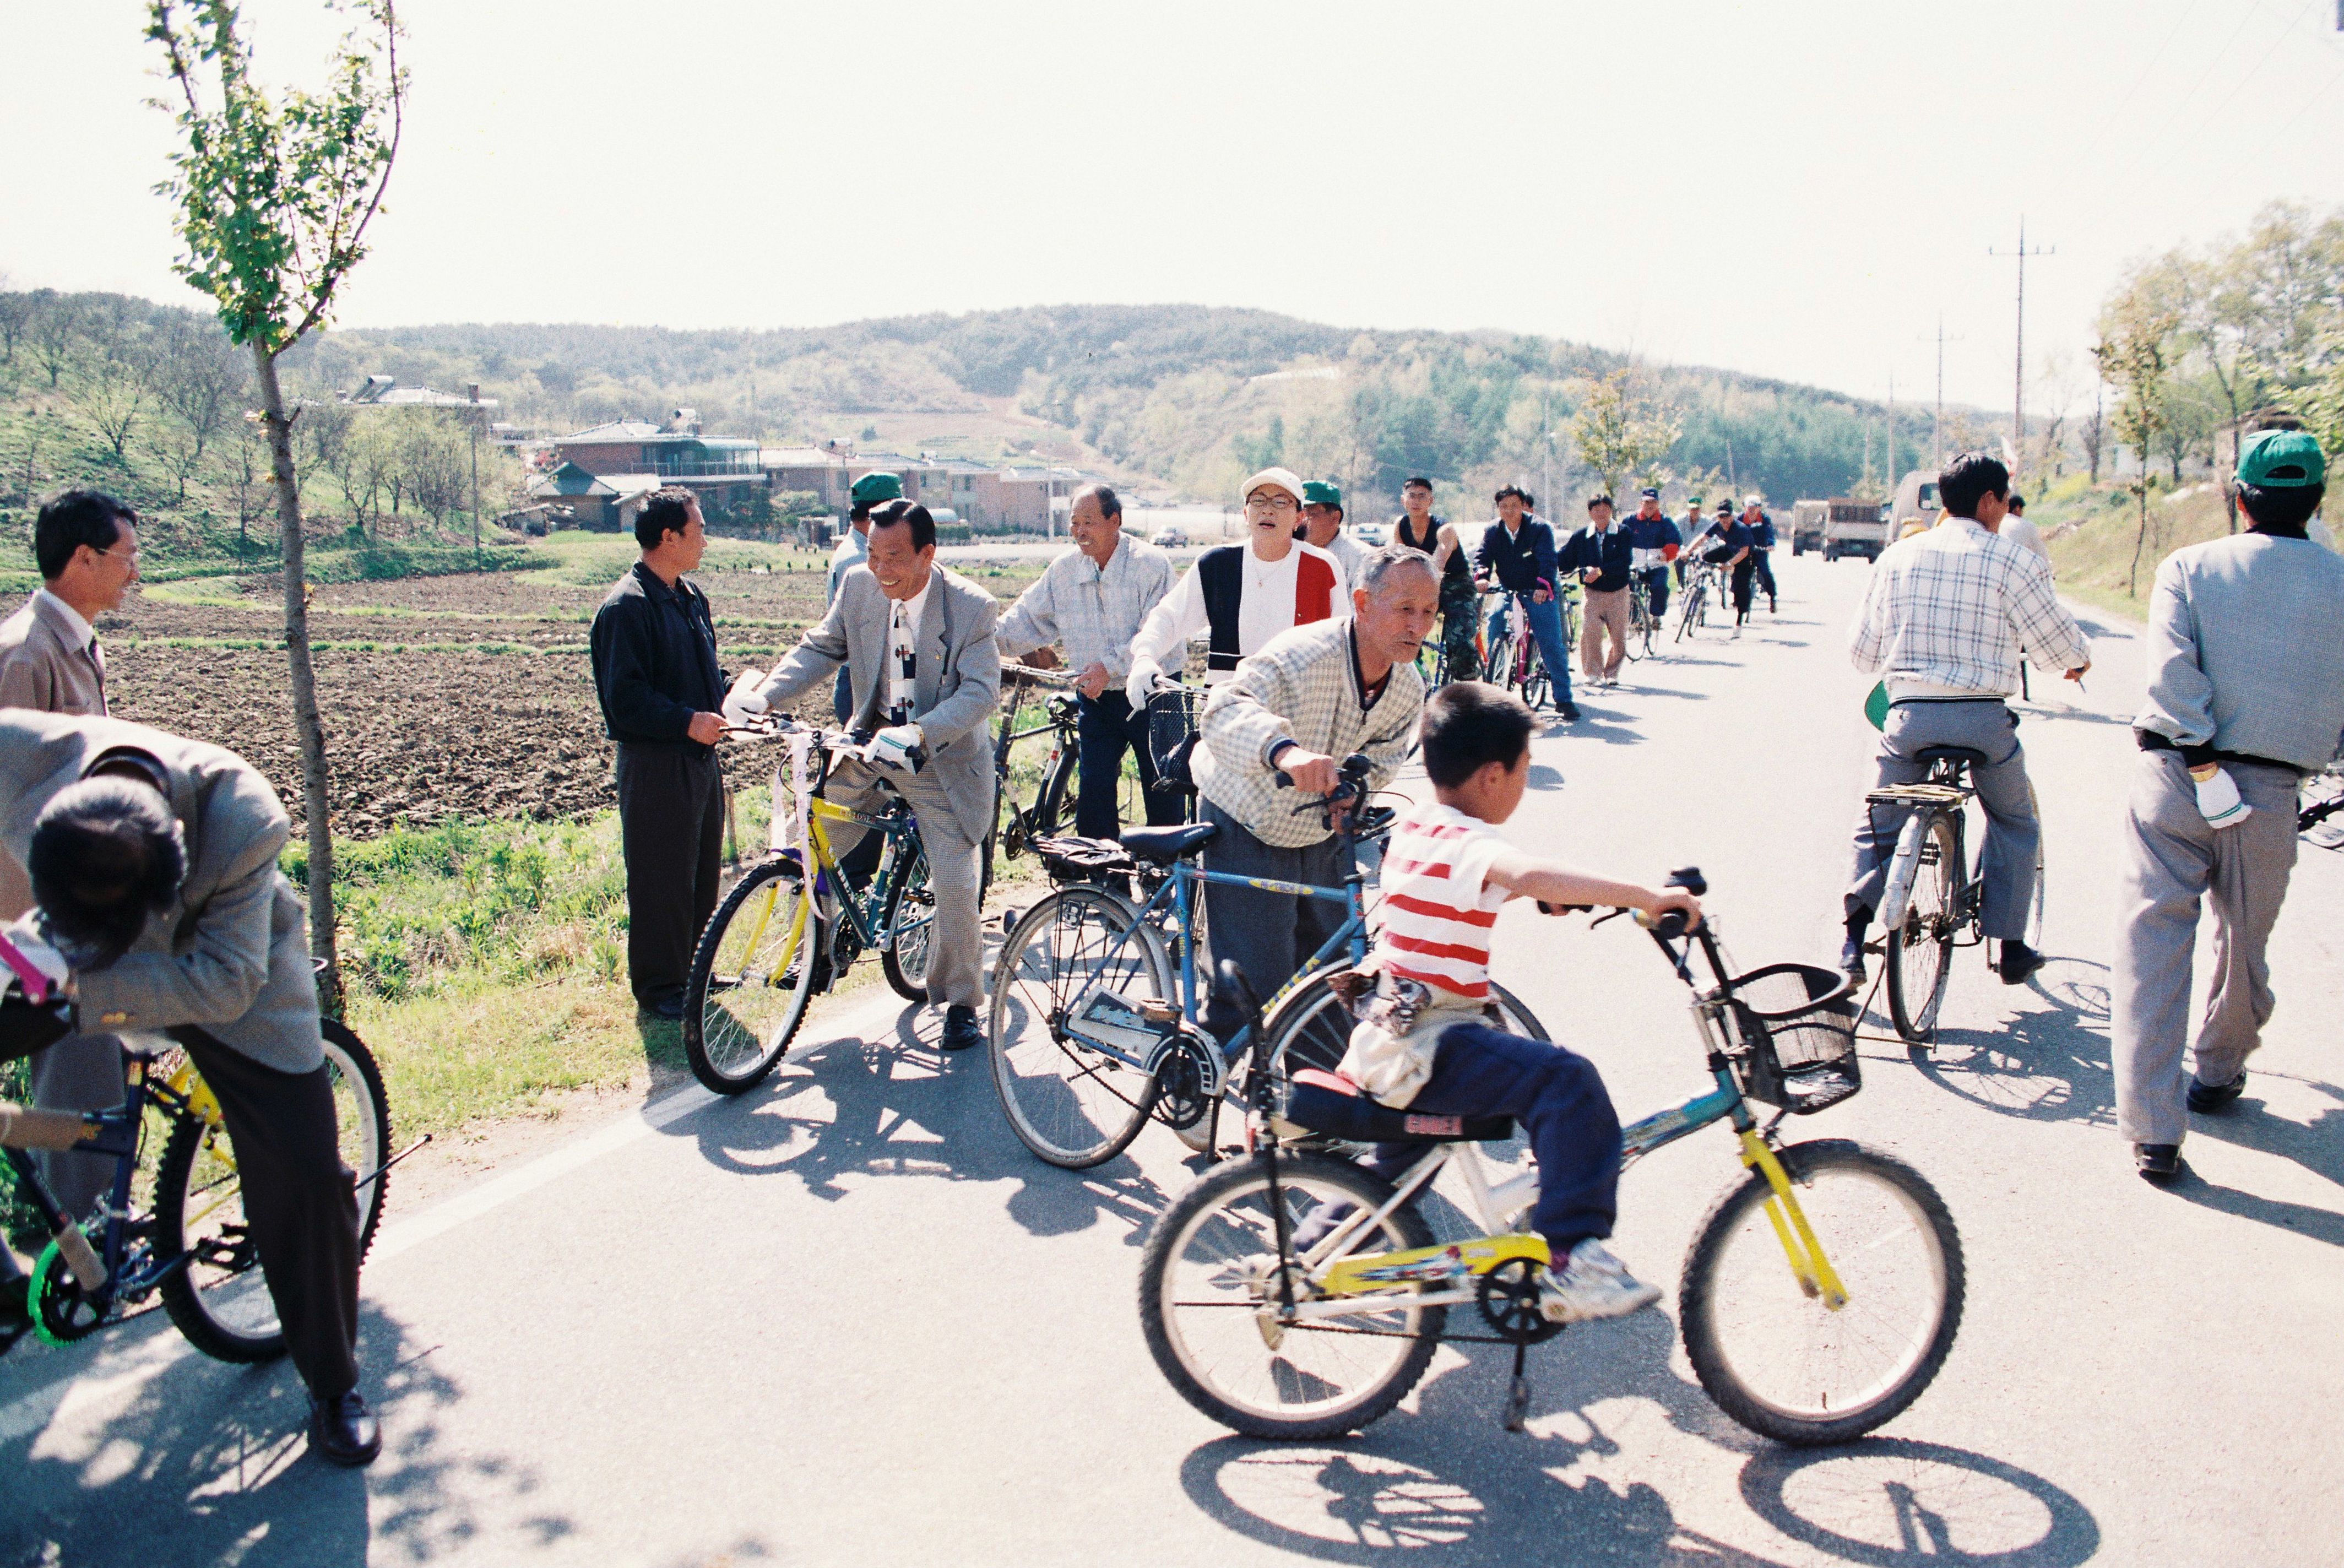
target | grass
x=2092, y=531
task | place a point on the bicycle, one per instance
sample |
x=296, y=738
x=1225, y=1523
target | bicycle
x=179, y=1234
x=1015, y=827
x=1933, y=896
x=1279, y=1342
x=1095, y=1025
x=1700, y=587
x=2321, y=795
x=1643, y=626
x=1514, y=661
x=770, y=948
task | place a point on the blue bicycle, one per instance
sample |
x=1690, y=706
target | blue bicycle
x=1097, y=1015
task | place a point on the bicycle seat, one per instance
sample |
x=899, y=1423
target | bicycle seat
x=1167, y=845
x=1329, y=1103
x=1969, y=756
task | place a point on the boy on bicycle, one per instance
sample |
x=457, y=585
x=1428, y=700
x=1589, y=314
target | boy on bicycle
x=1427, y=1045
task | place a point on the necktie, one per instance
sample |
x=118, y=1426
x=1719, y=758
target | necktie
x=98, y=663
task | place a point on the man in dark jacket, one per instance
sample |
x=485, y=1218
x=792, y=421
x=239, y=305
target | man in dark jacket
x=663, y=695
x=1602, y=555
x=1519, y=551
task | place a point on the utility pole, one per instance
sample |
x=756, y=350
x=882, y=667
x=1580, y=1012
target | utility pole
x=1938, y=418
x=476, y=490
x=2018, y=395
x=1890, y=460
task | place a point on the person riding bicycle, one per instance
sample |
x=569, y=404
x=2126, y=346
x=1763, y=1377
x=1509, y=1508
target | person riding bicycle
x=1601, y=553
x=1307, y=700
x=1448, y=871
x=1725, y=544
x=917, y=641
x=1761, y=548
x=1241, y=595
x=1690, y=528
x=159, y=907
x=1943, y=621
x=1654, y=539
x=2246, y=695
x=1417, y=527
x=1517, y=551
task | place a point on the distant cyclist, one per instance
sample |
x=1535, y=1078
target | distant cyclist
x=1725, y=544
x=1417, y=527
x=1653, y=539
x=1761, y=549
x=1517, y=550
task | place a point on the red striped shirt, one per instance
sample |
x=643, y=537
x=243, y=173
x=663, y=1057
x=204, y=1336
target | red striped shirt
x=1438, y=909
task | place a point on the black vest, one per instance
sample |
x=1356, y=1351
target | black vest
x=1220, y=573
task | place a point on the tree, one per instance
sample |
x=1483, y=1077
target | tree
x=112, y=391
x=2133, y=357
x=54, y=333
x=16, y=315
x=1618, y=430
x=274, y=196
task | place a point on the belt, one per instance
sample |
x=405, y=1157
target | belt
x=1908, y=701
x=2151, y=741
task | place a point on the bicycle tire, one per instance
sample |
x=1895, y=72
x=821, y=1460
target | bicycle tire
x=906, y=959
x=1919, y=956
x=737, y=1020
x=1053, y=810
x=219, y=1302
x=1211, y=1218
x=1725, y=1358
x=1071, y=1103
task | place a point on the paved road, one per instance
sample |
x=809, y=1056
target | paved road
x=847, y=1319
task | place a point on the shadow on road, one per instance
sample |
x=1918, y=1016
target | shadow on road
x=1889, y=1501
x=204, y=1462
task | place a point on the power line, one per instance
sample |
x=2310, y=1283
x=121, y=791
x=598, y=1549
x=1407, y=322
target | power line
x=2125, y=102
x=2285, y=33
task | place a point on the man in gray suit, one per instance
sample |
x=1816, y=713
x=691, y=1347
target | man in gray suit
x=86, y=546
x=153, y=860
x=917, y=645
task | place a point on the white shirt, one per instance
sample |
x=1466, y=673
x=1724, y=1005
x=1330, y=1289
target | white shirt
x=2018, y=530
x=85, y=634
x=903, y=646
x=1265, y=609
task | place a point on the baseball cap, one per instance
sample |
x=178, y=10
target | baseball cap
x=874, y=488
x=1650, y=492
x=1724, y=508
x=1751, y=501
x=2282, y=460
x=1321, y=492
x=1283, y=479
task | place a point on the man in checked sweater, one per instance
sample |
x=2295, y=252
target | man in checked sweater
x=1309, y=699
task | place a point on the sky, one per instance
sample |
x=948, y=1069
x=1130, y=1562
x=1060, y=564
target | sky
x=1796, y=190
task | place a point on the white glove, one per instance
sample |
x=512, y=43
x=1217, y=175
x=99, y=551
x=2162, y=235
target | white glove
x=895, y=745
x=741, y=704
x=49, y=964
x=2217, y=796
x=1145, y=674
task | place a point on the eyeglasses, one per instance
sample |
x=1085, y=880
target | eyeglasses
x=1270, y=501
x=130, y=555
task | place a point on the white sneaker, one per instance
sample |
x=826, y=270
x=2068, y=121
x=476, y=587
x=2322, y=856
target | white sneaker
x=1592, y=1283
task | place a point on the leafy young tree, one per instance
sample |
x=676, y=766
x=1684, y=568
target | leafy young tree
x=112, y=391
x=16, y=315
x=1619, y=429
x=2134, y=357
x=274, y=194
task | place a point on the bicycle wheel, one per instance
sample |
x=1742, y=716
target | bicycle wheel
x=219, y=1301
x=1769, y=1352
x=2035, y=905
x=1920, y=951
x=1068, y=1101
x=757, y=964
x=1209, y=1279
x=910, y=922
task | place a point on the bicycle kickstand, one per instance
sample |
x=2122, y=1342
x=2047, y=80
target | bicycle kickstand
x=1518, y=1392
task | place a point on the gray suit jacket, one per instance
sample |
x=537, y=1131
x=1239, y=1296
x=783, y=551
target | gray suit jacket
x=956, y=689
x=232, y=957
x=41, y=667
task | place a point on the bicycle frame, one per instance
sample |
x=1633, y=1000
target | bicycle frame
x=863, y=915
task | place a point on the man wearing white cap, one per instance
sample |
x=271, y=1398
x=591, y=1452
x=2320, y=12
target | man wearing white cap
x=1241, y=595
x=1760, y=572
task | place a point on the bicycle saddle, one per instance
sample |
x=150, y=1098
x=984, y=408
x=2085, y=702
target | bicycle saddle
x=1329, y=1103
x=1166, y=844
x=1969, y=755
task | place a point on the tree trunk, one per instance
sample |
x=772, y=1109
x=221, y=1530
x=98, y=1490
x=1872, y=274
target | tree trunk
x=2132, y=581
x=315, y=802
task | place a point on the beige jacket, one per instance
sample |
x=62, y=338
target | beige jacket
x=43, y=668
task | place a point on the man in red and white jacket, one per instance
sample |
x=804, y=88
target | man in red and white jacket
x=1241, y=595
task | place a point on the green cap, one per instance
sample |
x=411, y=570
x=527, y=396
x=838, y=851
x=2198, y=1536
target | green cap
x=874, y=488
x=1321, y=492
x=2282, y=460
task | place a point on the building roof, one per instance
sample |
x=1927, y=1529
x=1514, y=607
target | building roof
x=571, y=482
x=384, y=392
x=616, y=430
x=799, y=457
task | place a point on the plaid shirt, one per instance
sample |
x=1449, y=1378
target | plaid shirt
x=1949, y=611
x=1304, y=687
x=1096, y=611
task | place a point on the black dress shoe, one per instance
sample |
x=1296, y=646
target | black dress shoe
x=2157, y=1162
x=2215, y=1097
x=343, y=1432
x=1851, y=960
x=2018, y=963
x=1567, y=711
x=668, y=1007
x=961, y=1030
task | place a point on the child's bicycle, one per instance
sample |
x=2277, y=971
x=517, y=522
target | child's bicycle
x=175, y=1228
x=772, y=946
x=1819, y=1297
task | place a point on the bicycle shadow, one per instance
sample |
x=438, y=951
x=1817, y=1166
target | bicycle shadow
x=900, y=1105
x=212, y=1459
x=1892, y=1501
x=2047, y=1065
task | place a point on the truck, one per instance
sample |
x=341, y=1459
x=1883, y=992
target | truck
x=1853, y=527
x=1807, y=519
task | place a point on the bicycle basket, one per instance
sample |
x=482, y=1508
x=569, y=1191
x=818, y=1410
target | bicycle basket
x=1797, y=1024
x=1172, y=735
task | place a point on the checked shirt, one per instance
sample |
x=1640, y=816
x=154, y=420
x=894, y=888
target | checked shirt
x=1949, y=611
x=1096, y=611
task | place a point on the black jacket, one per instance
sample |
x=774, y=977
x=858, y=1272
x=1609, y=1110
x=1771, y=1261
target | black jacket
x=654, y=650
x=1521, y=562
x=1608, y=553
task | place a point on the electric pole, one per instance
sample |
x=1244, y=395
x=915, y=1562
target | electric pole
x=1938, y=418
x=2018, y=395
x=1891, y=458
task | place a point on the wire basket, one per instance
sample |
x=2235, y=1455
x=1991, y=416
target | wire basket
x=1172, y=734
x=1797, y=1024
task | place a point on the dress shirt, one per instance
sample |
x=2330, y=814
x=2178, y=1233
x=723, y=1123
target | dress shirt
x=1948, y=613
x=2018, y=530
x=1095, y=610
x=903, y=650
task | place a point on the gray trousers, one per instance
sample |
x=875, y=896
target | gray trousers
x=80, y=1072
x=956, y=946
x=1270, y=934
x=2012, y=834
x=2171, y=859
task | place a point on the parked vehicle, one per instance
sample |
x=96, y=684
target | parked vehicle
x=1855, y=527
x=1172, y=538
x=1807, y=520
x=1916, y=497
x=1374, y=535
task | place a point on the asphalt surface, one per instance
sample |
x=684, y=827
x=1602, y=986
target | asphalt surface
x=846, y=1318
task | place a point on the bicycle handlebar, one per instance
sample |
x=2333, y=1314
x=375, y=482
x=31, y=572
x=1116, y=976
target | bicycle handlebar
x=836, y=743
x=1033, y=676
